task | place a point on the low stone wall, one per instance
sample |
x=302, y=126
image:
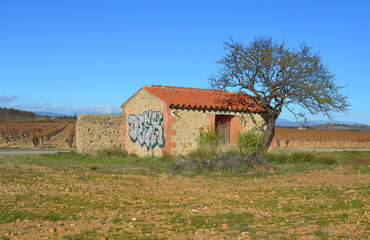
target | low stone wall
x=98, y=131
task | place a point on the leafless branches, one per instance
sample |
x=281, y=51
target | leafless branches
x=279, y=76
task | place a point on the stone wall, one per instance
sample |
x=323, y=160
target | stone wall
x=145, y=126
x=98, y=131
x=186, y=124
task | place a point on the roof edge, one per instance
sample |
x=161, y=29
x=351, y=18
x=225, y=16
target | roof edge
x=149, y=89
x=130, y=98
x=187, y=88
x=143, y=88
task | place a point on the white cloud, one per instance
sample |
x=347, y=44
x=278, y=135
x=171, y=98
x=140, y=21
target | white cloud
x=69, y=110
x=7, y=99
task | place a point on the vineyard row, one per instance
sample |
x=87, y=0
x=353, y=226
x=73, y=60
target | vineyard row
x=37, y=131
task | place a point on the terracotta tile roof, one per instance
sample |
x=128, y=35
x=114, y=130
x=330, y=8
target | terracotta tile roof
x=197, y=98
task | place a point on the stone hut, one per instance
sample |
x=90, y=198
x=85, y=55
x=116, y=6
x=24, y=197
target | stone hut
x=159, y=119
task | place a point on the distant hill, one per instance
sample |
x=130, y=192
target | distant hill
x=341, y=127
x=53, y=115
x=65, y=115
x=287, y=123
x=15, y=114
x=49, y=114
x=326, y=125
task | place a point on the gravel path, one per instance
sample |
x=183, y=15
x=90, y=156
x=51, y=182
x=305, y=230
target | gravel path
x=31, y=151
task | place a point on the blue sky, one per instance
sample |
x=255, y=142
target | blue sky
x=91, y=56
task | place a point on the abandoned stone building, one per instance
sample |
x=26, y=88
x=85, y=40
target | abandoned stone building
x=159, y=119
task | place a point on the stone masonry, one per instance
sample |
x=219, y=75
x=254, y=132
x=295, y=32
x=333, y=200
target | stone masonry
x=98, y=131
x=163, y=119
x=189, y=122
x=143, y=105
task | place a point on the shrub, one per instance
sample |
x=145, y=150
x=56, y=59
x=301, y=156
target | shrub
x=207, y=144
x=229, y=161
x=93, y=167
x=250, y=142
x=114, y=151
x=209, y=137
x=212, y=155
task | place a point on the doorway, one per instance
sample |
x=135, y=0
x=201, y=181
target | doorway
x=223, y=127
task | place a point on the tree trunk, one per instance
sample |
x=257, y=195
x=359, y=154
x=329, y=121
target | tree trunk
x=269, y=133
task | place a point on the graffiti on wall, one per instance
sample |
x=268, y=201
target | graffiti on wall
x=147, y=129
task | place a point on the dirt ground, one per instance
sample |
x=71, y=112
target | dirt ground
x=43, y=203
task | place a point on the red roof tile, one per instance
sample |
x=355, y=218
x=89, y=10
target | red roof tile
x=197, y=98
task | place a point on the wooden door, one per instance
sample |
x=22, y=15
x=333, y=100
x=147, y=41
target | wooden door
x=223, y=126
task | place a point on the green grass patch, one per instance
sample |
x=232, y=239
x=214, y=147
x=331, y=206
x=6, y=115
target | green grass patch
x=227, y=163
x=301, y=157
x=114, y=151
x=308, y=161
x=95, y=163
x=7, y=215
x=83, y=235
x=33, y=206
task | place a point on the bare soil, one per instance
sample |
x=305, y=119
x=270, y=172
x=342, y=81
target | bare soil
x=43, y=203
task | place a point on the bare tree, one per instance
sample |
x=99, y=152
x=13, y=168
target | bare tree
x=278, y=76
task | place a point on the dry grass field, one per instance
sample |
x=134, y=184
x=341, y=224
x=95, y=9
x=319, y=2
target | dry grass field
x=70, y=196
x=294, y=138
